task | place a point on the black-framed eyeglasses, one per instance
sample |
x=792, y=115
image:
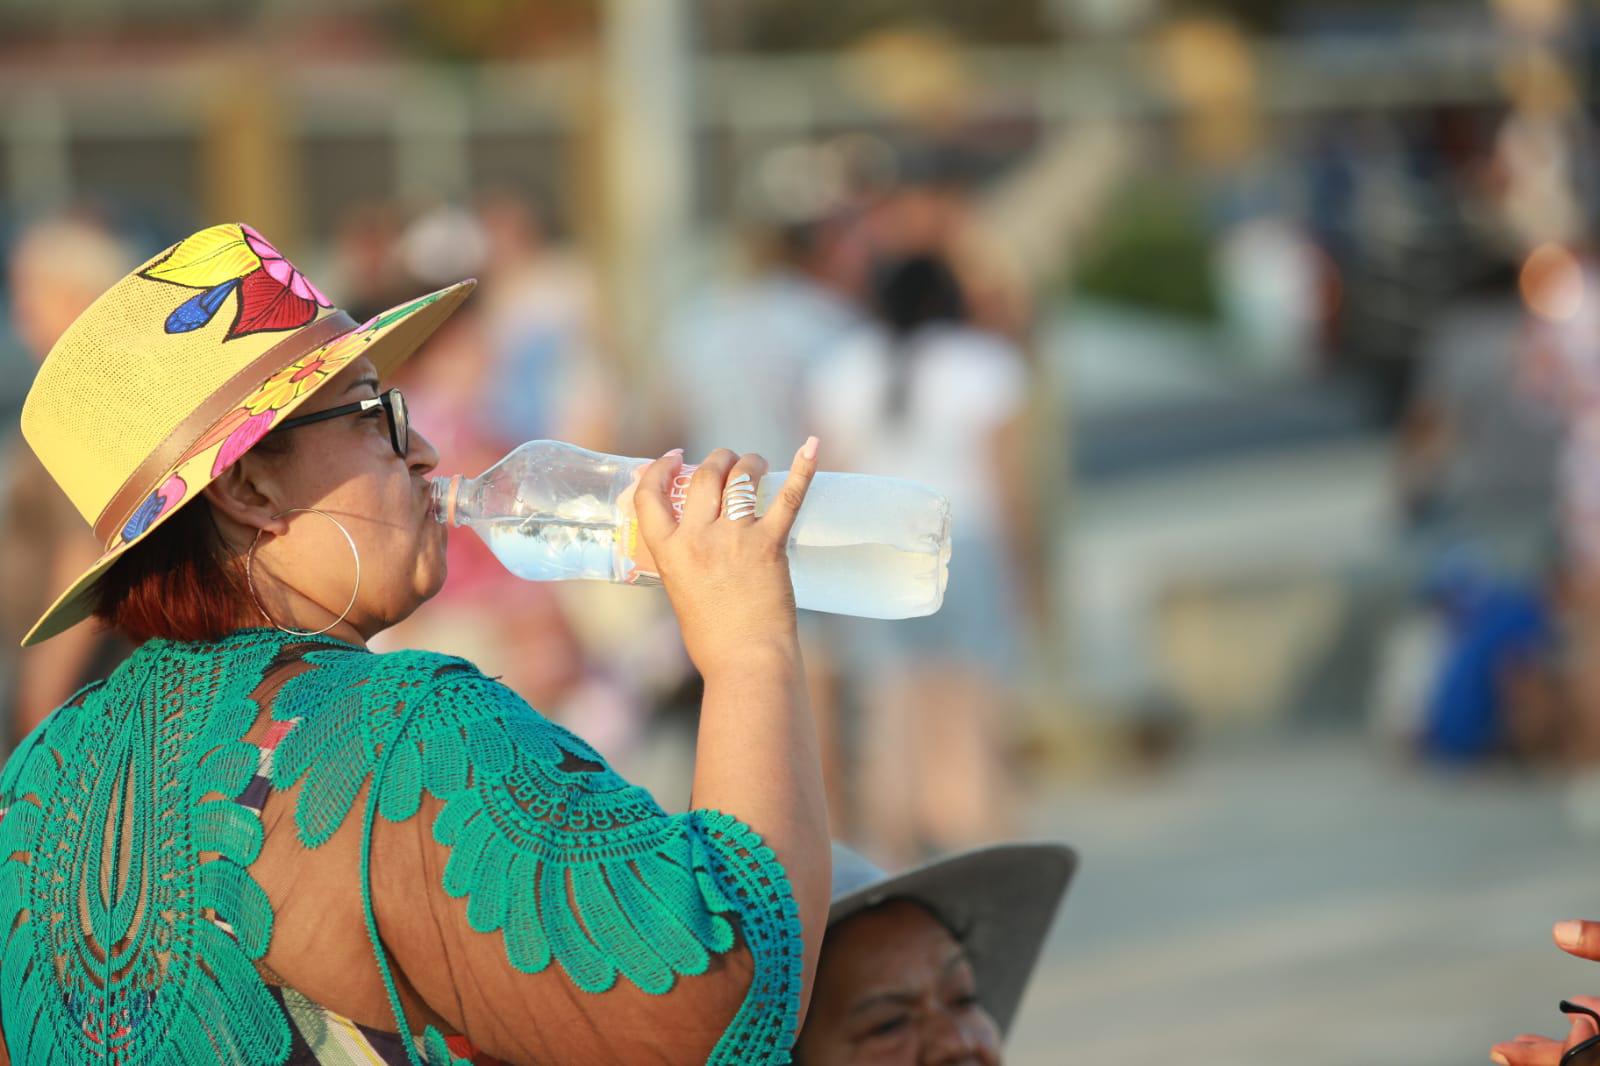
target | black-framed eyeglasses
x=393, y=404
x=1588, y=1052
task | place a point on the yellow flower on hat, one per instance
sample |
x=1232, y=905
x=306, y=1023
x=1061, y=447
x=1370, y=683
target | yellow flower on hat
x=208, y=258
x=288, y=384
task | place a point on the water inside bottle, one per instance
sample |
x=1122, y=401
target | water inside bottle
x=865, y=580
x=868, y=580
x=542, y=548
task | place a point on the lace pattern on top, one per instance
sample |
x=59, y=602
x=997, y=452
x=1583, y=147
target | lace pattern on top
x=566, y=860
x=113, y=952
x=122, y=946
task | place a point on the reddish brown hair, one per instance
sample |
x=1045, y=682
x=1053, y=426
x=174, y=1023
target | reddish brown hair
x=181, y=582
x=177, y=583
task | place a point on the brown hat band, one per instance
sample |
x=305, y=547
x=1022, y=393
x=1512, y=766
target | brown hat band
x=199, y=421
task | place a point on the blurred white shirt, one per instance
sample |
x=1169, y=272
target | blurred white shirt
x=964, y=384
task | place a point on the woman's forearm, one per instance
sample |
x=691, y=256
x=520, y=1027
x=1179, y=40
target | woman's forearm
x=757, y=760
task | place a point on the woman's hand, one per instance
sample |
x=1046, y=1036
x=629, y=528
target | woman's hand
x=728, y=579
x=1575, y=938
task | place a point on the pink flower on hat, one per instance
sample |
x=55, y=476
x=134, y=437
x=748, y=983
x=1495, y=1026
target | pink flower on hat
x=241, y=440
x=273, y=262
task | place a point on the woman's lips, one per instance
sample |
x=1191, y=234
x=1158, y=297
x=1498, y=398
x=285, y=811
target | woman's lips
x=426, y=491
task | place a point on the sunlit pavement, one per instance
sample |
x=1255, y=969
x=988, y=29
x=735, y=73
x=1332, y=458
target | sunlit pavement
x=1310, y=901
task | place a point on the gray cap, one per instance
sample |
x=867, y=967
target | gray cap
x=1002, y=900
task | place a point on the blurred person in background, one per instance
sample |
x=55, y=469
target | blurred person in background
x=925, y=395
x=1478, y=461
x=58, y=266
x=1496, y=688
x=928, y=967
x=1560, y=288
x=739, y=357
x=931, y=211
x=1480, y=443
x=740, y=354
x=366, y=260
x=551, y=374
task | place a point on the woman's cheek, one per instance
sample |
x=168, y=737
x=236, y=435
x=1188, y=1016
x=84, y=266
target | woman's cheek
x=432, y=561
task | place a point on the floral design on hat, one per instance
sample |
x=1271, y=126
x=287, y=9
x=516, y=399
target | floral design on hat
x=154, y=506
x=246, y=424
x=239, y=430
x=273, y=295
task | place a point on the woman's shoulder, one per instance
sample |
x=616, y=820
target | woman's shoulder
x=409, y=692
x=414, y=722
x=55, y=731
x=328, y=667
x=379, y=692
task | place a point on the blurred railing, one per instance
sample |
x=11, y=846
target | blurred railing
x=429, y=118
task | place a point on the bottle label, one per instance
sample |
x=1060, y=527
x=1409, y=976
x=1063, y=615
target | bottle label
x=641, y=565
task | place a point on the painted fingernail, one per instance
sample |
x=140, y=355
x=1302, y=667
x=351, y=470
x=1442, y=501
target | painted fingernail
x=1569, y=934
x=809, y=449
x=1495, y=1056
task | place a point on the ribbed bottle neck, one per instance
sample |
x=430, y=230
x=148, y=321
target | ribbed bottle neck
x=452, y=498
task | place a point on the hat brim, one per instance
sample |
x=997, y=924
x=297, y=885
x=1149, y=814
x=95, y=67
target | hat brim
x=1001, y=900
x=388, y=339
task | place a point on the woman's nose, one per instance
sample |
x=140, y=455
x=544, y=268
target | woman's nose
x=947, y=1041
x=421, y=455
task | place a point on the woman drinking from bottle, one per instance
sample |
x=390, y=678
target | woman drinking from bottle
x=258, y=842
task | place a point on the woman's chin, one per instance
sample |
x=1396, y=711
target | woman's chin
x=432, y=577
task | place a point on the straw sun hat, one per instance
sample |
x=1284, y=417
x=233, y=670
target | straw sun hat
x=1000, y=900
x=178, y=370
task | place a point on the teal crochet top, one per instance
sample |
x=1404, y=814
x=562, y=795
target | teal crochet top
x=132, y=923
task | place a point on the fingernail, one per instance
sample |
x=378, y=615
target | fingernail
x=1569, y=934
x=675, y=451
x=1495, y=1056
x=809, y=449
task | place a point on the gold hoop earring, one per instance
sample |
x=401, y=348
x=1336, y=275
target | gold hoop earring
x=249, y=578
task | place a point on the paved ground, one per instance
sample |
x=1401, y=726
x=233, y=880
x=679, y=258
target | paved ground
x=1306, y=901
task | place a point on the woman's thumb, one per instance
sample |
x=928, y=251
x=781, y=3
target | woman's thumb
x=1579, y=938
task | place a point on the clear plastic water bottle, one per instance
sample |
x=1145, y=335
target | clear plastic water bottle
x=873, y=547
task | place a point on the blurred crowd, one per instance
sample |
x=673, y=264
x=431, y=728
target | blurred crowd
x=869, y=324
x=890, y=291
x=1499, y=454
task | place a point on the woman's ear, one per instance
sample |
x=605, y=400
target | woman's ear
x=242, y=497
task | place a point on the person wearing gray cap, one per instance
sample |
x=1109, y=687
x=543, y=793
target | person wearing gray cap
x=929, y=966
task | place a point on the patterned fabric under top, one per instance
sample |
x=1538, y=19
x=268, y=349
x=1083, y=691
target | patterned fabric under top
x=123, y=946
x=319, y=1036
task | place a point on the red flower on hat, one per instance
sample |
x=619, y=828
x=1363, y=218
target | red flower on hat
x=230, y=258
